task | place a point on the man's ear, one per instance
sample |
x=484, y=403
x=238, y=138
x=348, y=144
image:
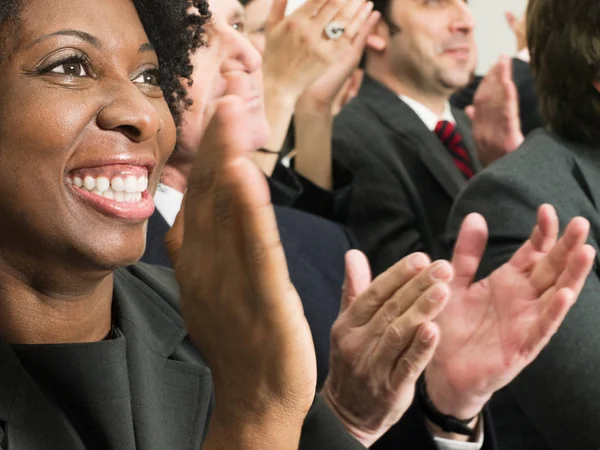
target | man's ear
x=376, y=43
x=378, y=39
x=597, y=85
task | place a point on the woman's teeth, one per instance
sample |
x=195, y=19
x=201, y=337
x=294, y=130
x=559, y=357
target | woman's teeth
x=126, y=189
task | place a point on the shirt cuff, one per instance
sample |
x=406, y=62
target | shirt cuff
x=449, y=444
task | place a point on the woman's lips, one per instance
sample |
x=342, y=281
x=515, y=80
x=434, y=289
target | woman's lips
x=134, y=207
x=115, y=190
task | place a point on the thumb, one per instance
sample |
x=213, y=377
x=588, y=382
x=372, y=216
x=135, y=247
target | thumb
x=358, y=277
x=470, y=112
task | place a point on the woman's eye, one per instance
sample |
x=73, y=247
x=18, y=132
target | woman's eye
x=148, y=77
x=72, y=69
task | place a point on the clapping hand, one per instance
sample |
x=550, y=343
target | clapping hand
x=238, y=303
x=492, y=329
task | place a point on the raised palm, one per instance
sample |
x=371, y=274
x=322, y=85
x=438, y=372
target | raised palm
x=492, y=329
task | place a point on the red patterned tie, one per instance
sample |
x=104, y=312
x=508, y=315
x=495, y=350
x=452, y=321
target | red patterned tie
x=453, y=141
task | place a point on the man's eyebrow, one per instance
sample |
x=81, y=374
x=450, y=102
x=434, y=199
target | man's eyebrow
x=69, y=32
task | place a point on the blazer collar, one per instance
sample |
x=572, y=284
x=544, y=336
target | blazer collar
x=171, y=387
x=399, y=117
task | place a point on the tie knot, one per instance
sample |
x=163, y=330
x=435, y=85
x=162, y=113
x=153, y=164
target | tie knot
x=445, y=131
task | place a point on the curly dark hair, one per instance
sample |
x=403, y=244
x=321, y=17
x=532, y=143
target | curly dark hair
x=563, y=38
x=174, y=31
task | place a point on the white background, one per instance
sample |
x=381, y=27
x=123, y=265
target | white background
x=492, y=33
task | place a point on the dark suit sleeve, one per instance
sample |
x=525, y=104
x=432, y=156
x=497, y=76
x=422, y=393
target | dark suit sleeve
x=284, y=185
x=323, y=431
x=334, y=204
x=381, y=215
x=411, y=433
x=289, y=188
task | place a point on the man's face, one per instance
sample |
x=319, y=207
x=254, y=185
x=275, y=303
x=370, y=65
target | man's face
x=434, y=50
x=229, y=65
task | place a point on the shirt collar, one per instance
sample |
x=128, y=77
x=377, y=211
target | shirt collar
x=429, y=118
x=168, y=202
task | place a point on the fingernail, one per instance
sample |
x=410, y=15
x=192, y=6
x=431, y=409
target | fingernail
x=441, y=272
x=418, y=261
x=426, y=334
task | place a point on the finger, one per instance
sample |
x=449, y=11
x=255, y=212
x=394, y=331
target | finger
x=542, y=239
x=398, y=335
x=511, y=19
x=468, y=251
x=358, y=277
x=386, y=285
x=548, y=323
x=310, y=8
x=332, y=8
x=258, y=238
x=578, y=268
x=411, y=294
x=412, y=363
x=505, y=68
x=550, y=267
x=277, y=13
x=356, y=25
x=470, y=112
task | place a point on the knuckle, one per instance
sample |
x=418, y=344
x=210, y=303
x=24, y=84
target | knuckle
x=396, y=336
x=409, y=367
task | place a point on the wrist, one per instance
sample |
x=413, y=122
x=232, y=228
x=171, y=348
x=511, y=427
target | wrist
x=366, y=438
x=280, y=93
x=447, y=399
x=253, y=430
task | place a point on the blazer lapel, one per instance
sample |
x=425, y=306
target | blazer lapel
x=398, y=116
x=171, y=390
x=30, y=422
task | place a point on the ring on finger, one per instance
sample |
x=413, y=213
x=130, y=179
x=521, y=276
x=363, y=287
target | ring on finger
x=334, y=30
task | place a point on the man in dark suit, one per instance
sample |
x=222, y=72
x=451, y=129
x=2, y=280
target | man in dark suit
x=553, y=405
x=409, y=151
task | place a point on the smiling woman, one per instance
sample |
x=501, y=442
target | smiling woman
x=94, y=352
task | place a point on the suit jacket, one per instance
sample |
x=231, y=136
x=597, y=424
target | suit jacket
x=404, y=178
x=289, y=188
x=314, y=250
x=554, y=404
x=528, y=104
x=171, y=387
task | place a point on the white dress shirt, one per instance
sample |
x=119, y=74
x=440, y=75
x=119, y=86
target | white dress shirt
x=429, y=118
x=168, y=203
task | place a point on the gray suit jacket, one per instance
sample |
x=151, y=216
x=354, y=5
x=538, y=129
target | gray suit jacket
x=555, y=402
x=171, y=387
x=404, y=178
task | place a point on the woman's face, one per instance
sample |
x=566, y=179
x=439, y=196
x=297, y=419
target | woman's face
x=257, y=12
x=84, y=129
x=229, y=65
